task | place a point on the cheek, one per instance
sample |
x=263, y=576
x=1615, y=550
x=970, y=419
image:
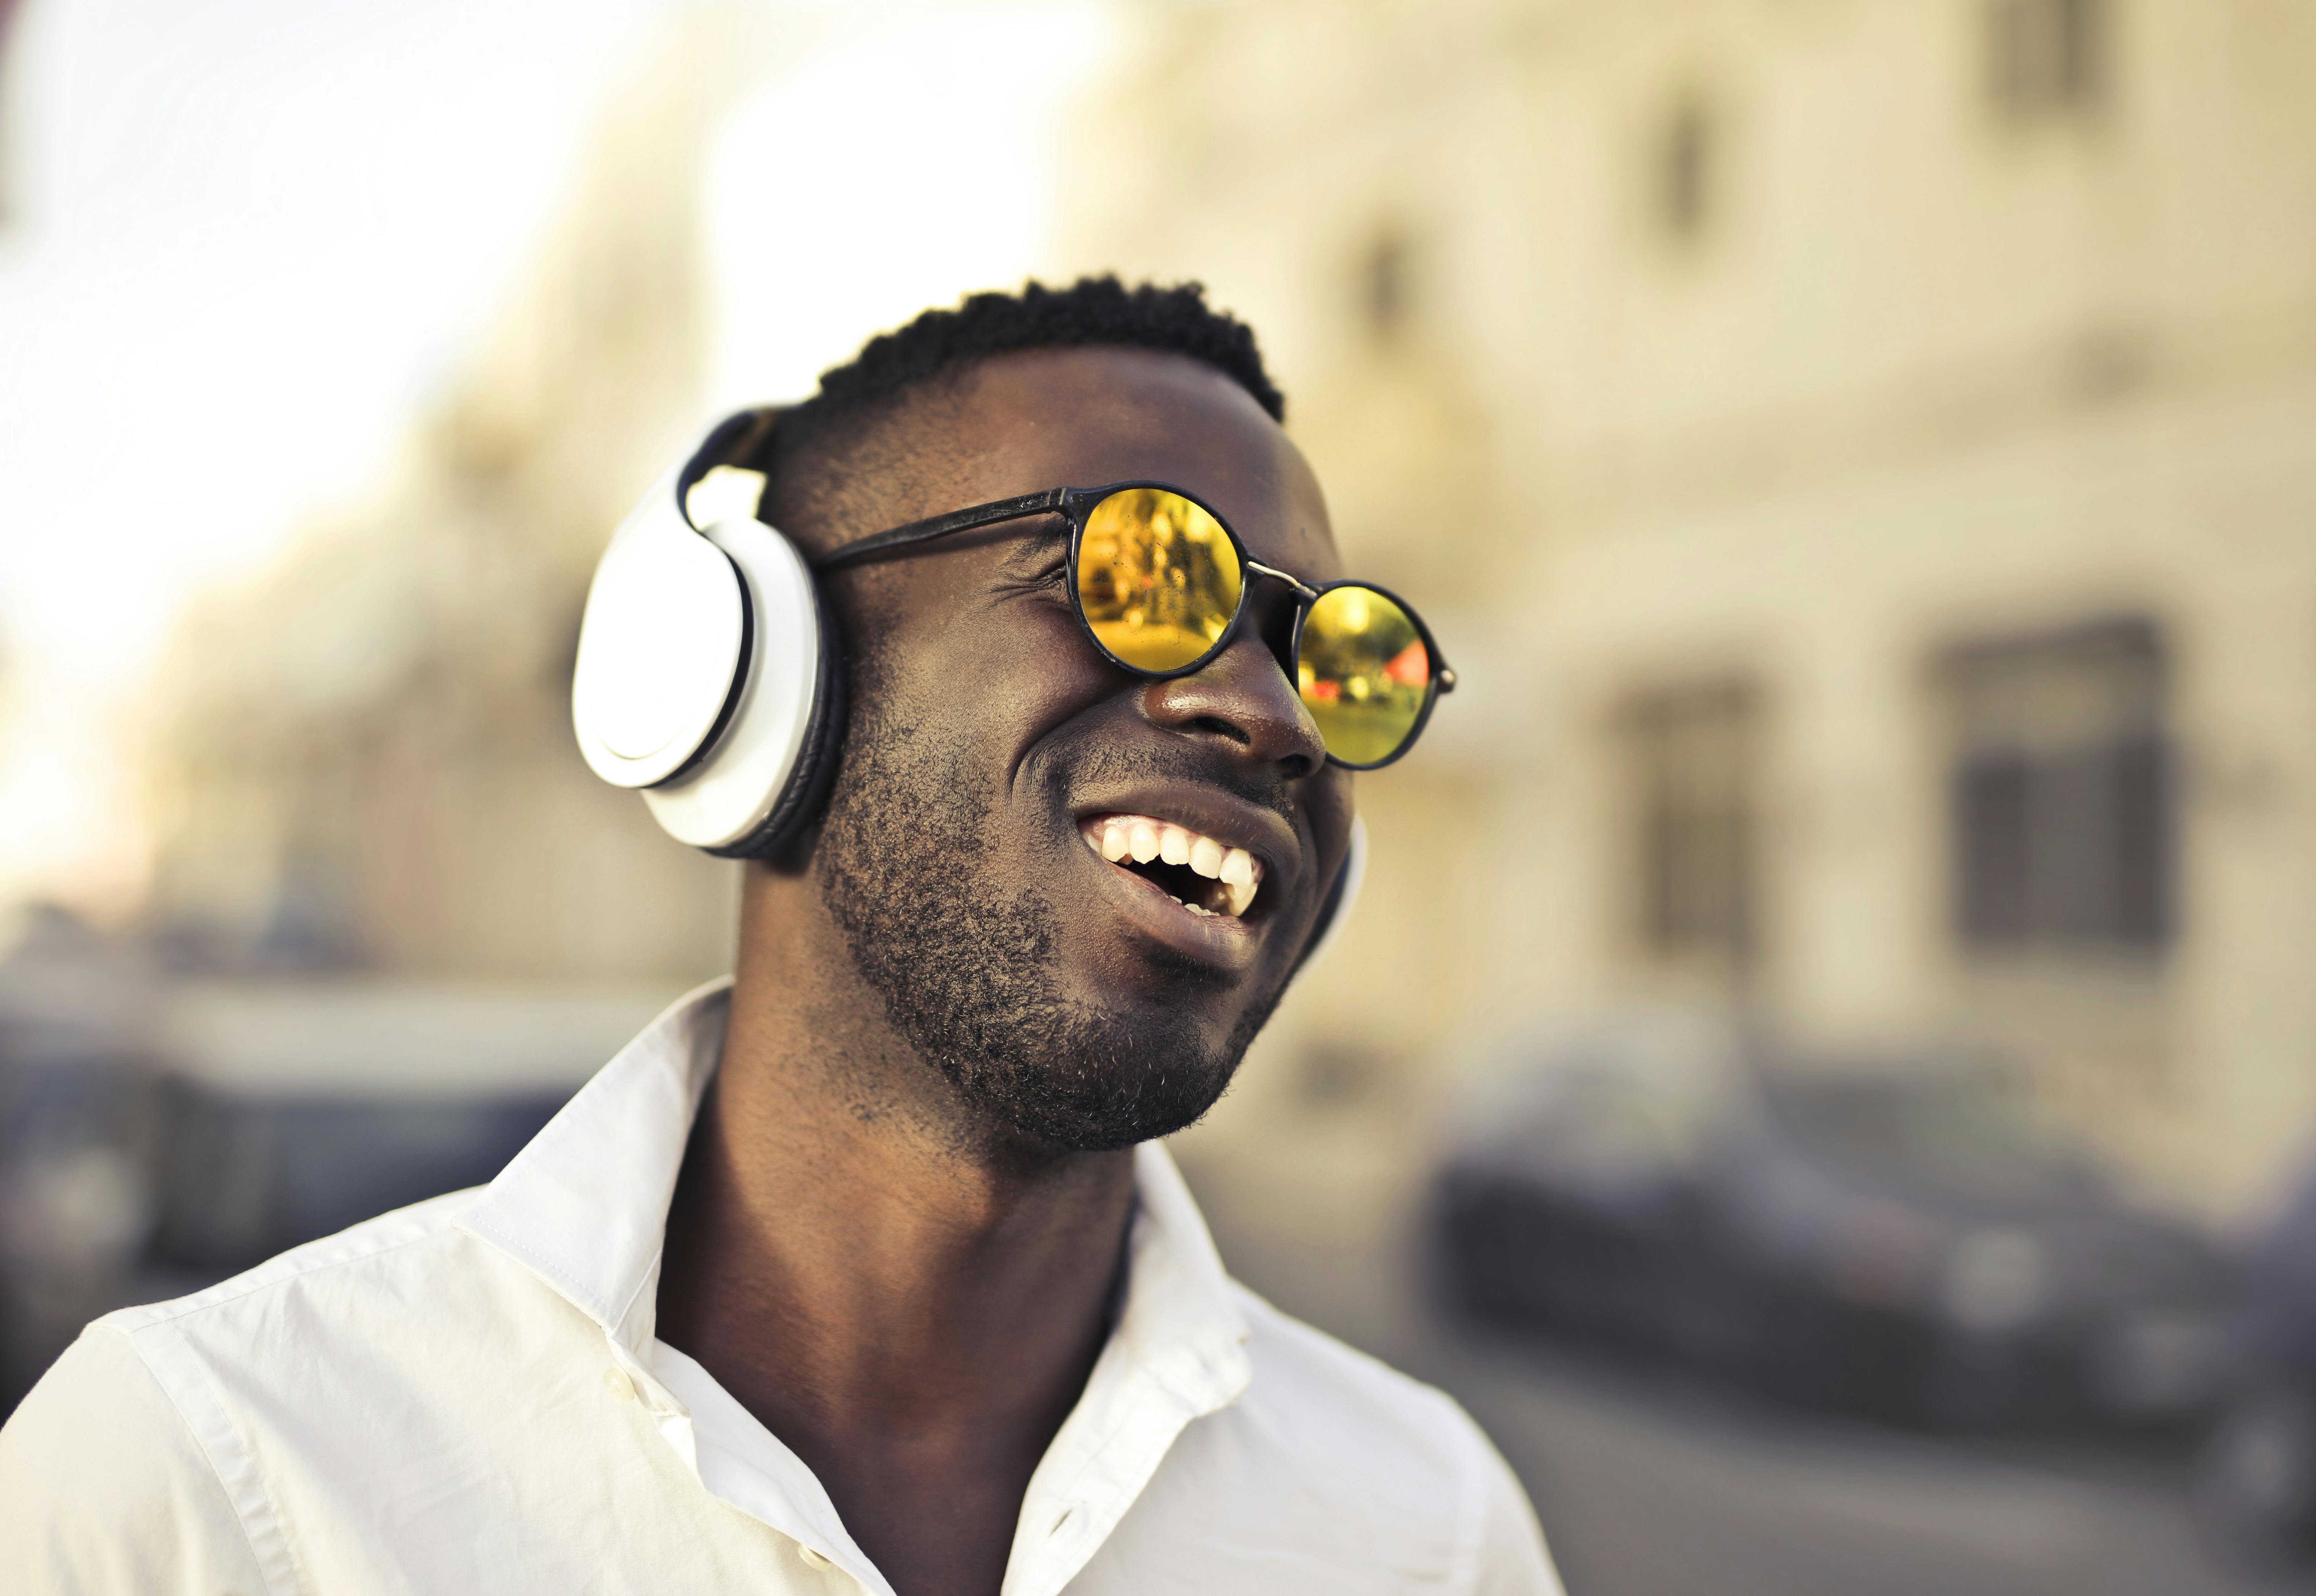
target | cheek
x=1052, y=670
x=1004, y=675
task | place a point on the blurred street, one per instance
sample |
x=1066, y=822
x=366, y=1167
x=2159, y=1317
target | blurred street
x=1650, y=1483
x=1647, y=1484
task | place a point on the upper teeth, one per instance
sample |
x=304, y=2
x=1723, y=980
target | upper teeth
x=1235, y=872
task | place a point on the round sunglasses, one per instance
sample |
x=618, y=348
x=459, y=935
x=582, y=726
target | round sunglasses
x=1160, y=583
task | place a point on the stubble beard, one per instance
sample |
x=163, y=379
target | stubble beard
x=963, y=957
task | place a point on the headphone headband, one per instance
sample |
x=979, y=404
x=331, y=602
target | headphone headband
x=739, y=436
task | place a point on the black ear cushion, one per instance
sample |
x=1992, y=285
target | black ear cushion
x=800, y=800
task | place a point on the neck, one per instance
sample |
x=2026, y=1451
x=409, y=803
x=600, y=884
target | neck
x=863, y=1266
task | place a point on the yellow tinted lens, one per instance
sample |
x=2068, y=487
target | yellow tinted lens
x=1364, y=674
x=1157, y=577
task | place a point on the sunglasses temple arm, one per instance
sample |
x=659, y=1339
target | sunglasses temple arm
x=941, y=526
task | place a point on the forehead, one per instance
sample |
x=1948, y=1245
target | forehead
x=1038, y=419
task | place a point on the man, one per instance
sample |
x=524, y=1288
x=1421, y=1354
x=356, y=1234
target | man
x=866, y=1270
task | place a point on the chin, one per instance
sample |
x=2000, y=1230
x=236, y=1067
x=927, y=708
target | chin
x=1085, y=1080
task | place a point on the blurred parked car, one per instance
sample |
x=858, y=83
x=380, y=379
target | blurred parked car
x=74, y=1203
x=2254, y=1493
x=265, y=1116
x=1886, y=1236
x=75, y=1120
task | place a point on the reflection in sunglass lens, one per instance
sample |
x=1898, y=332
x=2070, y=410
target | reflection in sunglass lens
x=1158, y=578
x=1364, y=674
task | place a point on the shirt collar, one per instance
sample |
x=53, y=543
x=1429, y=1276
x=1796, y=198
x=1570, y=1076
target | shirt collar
x=585, y=1207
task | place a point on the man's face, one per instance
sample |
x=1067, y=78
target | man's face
x=1078, y=1001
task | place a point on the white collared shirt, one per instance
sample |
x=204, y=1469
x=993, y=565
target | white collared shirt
x=467, y=1396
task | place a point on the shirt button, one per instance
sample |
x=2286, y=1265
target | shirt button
x=814, y=1559
x=622, y=1388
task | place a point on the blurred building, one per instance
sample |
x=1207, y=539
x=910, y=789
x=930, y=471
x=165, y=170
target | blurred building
x=1861, y=456
x=1856, y=453
x=368, y=762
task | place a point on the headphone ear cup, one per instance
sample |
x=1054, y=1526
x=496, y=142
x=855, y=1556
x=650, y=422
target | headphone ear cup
x=662, y=646
x=745, y=779
x=800, y=803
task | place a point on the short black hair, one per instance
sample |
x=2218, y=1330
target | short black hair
x=841, y=422
x=1092, y=310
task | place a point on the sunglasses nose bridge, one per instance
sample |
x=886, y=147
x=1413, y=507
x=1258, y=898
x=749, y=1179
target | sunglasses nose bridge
x=1304, y=592
x=1280, y=624
x=1277, y=623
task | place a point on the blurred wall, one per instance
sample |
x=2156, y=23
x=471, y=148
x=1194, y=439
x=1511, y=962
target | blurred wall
x=1861, y=456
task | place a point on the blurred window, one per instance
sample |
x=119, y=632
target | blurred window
x=1687, y=163
x=2061, y=796
x=1605, y=1128
x=1957, y=1134
x=2047, y=56
x=1693, y=752
x=1383, y=285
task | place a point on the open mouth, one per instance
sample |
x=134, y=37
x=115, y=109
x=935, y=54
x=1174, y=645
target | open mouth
x=1204, y=875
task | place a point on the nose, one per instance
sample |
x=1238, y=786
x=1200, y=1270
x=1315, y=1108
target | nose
x=1241, y=698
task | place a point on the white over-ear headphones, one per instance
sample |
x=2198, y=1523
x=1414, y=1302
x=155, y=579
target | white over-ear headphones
x=707, y=674
x=710, y=678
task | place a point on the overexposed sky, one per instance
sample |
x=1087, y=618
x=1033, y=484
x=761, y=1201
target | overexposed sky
x=254, y=237
x=930, y=173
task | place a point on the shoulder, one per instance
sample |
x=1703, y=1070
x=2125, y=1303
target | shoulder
x=105, y=1487
x=1381, y=1458
x=413, y=1279
x=370, y=1315
x=136, y=1463
x=295, y=1322
x=1332, y=1395
x=355, y=1261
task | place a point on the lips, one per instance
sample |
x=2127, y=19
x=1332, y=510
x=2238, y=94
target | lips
x=1206, y=876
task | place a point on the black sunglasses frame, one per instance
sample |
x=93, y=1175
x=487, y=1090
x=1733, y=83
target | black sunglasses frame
x=1076, y=505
